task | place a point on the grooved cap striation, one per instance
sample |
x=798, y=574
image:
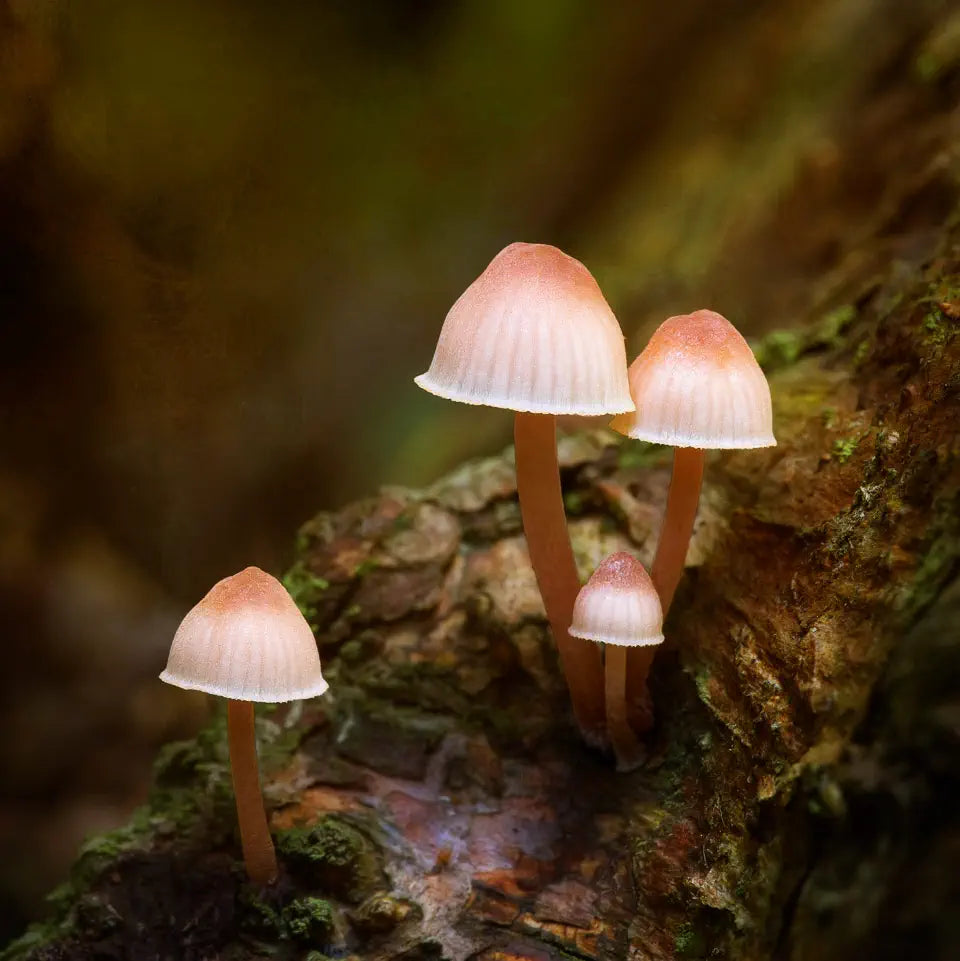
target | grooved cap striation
x=532, y=333
x=697, y=384
x=246, y=640
x=619, y=605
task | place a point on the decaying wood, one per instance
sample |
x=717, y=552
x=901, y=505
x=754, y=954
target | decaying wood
x=438, y=802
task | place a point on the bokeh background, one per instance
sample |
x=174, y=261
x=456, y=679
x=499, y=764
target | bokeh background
x=230, y=230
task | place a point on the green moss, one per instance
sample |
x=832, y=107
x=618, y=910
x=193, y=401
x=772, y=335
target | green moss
x=353, y=652
x=257, y=917
x=404, y=521
x=330, y=842
x=937, y=329
x=192, y=780
x=688, y=942
x=365, y=567
x=945, y=289
x=205, y=760
x=862, y=352
x=332, y=856
x=938, y=561
x=304, y=587
x=206, y=756
x=780, y=348
x=783, y=348
x=844, y=448
x=309, y=920
x=276, y=744
x=829, y=332
x=574, y=502
x=98, y=853
x=385, y=691
x=634, y=453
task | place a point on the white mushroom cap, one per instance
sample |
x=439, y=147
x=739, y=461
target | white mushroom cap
x=246, y=640
x=697, y=384
x=619, y=605
x=532, y=333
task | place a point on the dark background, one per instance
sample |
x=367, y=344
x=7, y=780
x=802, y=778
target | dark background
x=230, y=230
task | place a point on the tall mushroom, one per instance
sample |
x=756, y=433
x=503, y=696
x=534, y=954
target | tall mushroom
x=247, y=641
x=533, y=334
x=619, y=607
x=696, y=386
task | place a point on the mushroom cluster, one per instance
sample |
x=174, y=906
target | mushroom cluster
x=697, y=387
x=533, y=334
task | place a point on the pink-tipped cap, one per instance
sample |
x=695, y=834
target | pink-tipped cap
x=697, y=384
x=619, y=605
x=248, y=641
x=532, y=333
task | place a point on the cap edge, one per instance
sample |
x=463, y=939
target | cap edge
x=300, y=694
x=651, y=641
x=686, y=440
x=424, y=382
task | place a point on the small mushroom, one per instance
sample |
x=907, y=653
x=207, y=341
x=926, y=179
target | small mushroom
x=247, y=641
x=619, y=607
x=696, y=386
x=533, y=334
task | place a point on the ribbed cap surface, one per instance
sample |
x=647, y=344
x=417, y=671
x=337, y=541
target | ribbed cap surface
x=246, y=640
x=619, y=605
x=532, y=333
x=697, y=384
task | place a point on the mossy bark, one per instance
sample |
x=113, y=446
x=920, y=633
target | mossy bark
x=439, y=802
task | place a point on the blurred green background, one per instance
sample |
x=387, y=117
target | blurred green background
x=229, y=233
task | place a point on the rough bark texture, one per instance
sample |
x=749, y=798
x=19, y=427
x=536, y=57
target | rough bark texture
x=797, y=801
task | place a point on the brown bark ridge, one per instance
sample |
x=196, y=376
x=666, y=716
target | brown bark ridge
x=797, y=802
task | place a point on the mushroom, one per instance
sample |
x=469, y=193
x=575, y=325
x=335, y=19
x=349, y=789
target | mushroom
x=619, y=607
x=247, y=641
x=533, y=334
x=696, y=386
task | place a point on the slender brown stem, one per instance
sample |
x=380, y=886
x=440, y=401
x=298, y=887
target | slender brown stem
x=545, y=526
x=682, y=501
x=625, y=745
x=667, y=568
x=258, y=853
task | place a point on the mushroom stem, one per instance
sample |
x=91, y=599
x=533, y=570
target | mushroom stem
x=682, y=501
x=258, y=853
x=625, y=745
x=545, y=527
